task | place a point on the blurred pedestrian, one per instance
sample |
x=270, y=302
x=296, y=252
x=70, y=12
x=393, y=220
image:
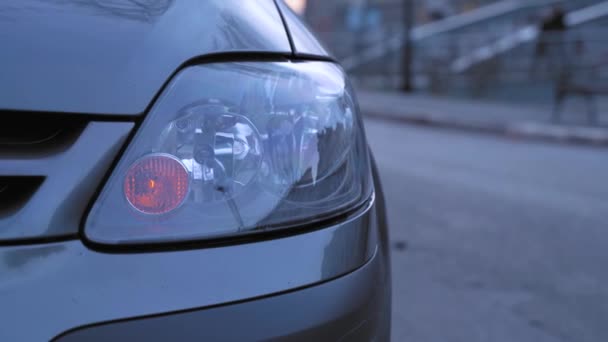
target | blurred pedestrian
x=550, y=43
x=556, y=21
x=438, y=9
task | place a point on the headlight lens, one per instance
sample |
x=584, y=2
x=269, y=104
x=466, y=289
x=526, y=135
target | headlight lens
x=238, y=148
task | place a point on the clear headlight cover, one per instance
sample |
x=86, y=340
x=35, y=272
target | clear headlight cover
x=238, y=148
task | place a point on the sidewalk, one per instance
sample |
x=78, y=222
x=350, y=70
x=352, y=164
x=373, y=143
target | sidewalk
x=525, y=121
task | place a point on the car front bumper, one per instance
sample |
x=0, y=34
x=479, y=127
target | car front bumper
x=329, y=284
x=349, y=308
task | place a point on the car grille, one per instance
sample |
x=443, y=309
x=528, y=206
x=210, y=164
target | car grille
x=51, y=166
x=15, y=192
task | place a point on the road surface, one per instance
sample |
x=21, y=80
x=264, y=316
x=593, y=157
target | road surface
x=494, y=239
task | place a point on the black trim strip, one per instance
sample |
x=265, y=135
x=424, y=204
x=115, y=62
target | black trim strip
x=244, y=56
x=67, y=116
x=287, y=30
x=38, y=240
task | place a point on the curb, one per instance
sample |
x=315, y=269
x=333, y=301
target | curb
x=523, y=130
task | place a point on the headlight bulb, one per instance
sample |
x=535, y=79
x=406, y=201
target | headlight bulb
x=221, y=150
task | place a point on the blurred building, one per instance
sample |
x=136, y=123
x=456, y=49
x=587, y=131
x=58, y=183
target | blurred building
x=349, y=15
x=495, y=57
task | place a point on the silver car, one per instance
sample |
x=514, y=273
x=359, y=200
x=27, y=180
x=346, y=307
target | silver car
x=183, y=170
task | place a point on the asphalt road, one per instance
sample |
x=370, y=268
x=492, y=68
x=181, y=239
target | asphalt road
x=494, y=239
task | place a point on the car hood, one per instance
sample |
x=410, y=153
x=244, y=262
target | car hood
x=113, y=56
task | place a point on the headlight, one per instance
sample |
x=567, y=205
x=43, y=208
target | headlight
x=238, y=148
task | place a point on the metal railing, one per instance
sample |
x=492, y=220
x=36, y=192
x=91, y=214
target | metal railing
x=358, y=49
x=498, y=56
x=529, y=72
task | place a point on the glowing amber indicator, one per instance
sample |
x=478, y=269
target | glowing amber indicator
x=156, y=184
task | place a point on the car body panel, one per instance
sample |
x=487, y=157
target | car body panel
x=113, y=57
x=349, y=308
x=50, y=288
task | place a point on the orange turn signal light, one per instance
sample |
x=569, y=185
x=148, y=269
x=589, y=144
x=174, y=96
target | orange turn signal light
x=156, y=184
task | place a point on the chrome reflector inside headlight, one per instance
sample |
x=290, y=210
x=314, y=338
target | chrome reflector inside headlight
x=237, y=148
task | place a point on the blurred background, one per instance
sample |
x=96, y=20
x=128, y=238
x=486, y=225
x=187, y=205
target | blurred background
x=489, y=123
x=484, y=49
